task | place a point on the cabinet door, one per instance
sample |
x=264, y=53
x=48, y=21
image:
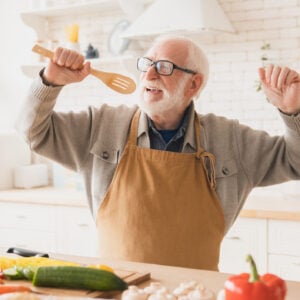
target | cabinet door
x=76, y=231
x=27, y=216
x=284, y=249
x=285, y=266
x=247, y=236
x=284, y=237
x=27, y=239
x=27, y=226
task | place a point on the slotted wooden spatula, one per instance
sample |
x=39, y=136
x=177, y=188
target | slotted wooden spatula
x=120, y=83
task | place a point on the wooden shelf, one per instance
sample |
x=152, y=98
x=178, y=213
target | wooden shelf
x=39, y=19
x=31, y=70
x=71, y=9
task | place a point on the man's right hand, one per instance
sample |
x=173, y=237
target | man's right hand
x=67, y=66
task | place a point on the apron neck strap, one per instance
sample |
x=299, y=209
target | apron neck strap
x=132, y=140
x=197, y=134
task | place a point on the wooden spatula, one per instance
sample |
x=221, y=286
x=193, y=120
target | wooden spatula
x=120, y=83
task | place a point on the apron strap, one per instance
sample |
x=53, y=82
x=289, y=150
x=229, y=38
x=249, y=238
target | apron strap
x=206, y=157
x=133, y=133
x=208, y=160
x=200, y=150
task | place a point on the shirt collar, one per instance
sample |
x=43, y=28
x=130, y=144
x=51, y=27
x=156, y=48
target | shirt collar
x=187, y=129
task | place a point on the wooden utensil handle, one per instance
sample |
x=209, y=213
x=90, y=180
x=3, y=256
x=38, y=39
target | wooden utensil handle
x=42, y=51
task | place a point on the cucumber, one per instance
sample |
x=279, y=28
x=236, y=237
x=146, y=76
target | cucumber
x=28, y=272
x=73, y=277
x=14, y=273
x=18, y=273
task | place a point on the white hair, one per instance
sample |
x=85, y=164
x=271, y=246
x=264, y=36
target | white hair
x=196, y=59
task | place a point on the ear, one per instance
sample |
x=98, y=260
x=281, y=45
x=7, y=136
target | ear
x=194, y=85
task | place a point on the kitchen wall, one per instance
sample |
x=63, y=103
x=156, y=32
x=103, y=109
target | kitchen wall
x=234, y=59
x=14, y=40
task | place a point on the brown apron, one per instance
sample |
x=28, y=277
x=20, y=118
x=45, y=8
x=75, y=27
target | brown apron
x=162, y=208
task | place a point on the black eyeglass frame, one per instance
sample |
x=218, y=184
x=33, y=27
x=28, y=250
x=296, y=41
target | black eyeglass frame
x=164, y=60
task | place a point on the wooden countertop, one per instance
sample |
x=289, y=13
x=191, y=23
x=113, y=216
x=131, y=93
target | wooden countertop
x=261, y=203
x=45, y=196
x=170, y=277
x=272, y=205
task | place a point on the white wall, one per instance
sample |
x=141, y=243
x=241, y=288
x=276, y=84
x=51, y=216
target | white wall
x=16, y=40
x=236, y=58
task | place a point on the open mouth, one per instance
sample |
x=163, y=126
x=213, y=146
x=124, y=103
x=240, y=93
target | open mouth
x=153, y=90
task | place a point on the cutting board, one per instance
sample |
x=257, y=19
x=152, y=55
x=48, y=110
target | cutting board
x=131, y=277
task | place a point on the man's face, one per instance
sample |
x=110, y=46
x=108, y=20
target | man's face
x=160, y=95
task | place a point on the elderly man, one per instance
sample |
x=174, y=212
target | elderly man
x=163, y=182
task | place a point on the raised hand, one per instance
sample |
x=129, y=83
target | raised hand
x=67, y=66
x=282, y=88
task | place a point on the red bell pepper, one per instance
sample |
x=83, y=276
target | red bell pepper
x=254, y=287
x=1, y=275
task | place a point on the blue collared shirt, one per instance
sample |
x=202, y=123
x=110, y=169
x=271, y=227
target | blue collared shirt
x=161, y=140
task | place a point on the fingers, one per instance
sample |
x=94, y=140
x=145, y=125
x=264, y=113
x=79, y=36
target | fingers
x=278, y=77
x=293, y=76
x=262, y=76
x=68, y=58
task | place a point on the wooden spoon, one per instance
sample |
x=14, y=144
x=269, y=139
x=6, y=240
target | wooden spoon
x=120, y=83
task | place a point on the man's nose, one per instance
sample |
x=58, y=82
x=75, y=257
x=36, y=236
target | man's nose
x=151, y=73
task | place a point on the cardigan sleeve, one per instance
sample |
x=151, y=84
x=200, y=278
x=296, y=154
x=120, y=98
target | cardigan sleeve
x=62, y=137
x=269, y=160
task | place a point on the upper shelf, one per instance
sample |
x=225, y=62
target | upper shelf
x=37, y=18
x=72, y=9
x=105, y=64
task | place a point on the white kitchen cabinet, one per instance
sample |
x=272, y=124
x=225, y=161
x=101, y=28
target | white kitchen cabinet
x=285, y=266
x=27, y=226
x=284, y=249
x=247, y=236
x=28, y=239
x=27, y=216
x=284, y=237
x=48, y=228
x=274, y=244
x=76, y=231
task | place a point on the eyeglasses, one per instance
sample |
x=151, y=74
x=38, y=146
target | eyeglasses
x=162, y=67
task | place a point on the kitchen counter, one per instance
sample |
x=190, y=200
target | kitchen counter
x=45, y=196
x=266, y=204
x=262, y=203
x=170, y=277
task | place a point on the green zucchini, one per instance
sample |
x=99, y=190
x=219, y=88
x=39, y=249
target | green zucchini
x=73, y=277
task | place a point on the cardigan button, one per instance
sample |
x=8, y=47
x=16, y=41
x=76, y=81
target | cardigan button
x=225, y=171
x=105, y=155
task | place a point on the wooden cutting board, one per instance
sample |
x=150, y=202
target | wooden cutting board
x=131, y=277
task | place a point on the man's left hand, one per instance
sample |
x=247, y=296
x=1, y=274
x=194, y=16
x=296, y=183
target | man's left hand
x=282, y=88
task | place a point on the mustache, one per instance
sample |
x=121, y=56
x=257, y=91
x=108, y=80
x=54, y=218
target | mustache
x=153, y=84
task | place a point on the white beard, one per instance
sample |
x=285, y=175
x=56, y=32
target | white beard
x=169, y=101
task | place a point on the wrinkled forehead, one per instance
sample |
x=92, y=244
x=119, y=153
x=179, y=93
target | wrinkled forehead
x=175, y=51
